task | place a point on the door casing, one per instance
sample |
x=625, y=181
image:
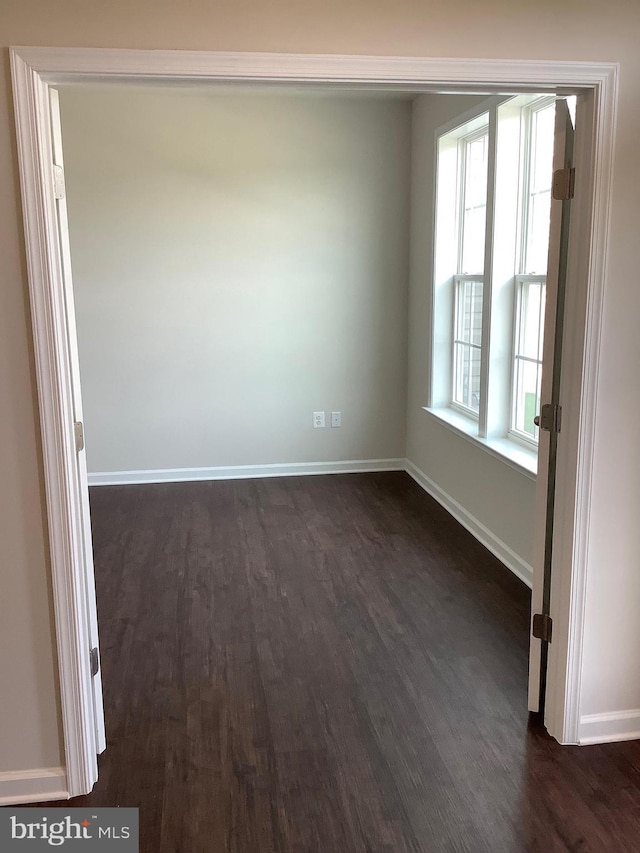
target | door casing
x=34, y=69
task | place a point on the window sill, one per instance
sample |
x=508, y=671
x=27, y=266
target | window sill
x=510, y=452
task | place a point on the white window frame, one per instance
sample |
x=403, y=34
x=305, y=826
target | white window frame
x=461, y=276
x=448, y=227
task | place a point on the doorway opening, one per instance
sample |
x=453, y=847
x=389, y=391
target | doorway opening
x=35, y=72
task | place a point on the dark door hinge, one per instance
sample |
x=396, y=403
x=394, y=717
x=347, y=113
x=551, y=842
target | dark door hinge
x=94, y=661
x=564, y=181
x=542, y=627
x=550, y=418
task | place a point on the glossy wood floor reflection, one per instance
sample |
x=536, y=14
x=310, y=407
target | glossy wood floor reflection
x=329, y=665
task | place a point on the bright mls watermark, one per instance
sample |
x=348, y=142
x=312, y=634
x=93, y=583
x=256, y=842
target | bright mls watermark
x=69, y=829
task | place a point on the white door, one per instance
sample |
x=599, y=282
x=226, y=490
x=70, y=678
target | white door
x=83, y=497
x=550, y=394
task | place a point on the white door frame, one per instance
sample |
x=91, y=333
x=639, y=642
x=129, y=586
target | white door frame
x=35, y=68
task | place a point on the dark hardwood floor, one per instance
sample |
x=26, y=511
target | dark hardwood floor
x=329, y=665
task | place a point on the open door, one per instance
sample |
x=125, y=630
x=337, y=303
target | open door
x=83, y=498
x=549, y=418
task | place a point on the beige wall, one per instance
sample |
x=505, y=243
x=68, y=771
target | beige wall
x=562, y=29
x=240, y=261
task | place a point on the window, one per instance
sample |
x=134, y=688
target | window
x=467, y=338
x=493, y=202
x=538, y=125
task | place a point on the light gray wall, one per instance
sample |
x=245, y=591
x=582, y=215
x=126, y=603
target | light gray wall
x=239, y=261
x=498, y=496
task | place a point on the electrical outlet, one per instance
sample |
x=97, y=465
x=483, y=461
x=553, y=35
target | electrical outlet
x=336, y=419
x=318, y=420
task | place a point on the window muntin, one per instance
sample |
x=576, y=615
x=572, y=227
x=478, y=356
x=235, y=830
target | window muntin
x=467, y=339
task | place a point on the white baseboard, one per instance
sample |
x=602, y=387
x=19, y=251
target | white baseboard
x=44, y=785
x=609, y=727
x=241, y=472
x=497, y=547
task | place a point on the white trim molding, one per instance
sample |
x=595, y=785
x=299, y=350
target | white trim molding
x=34, y=69
x=43, y=785
x=242, y=472
x=611, y=727
x=54, y=380
x=482, y=533
x=590, y=218
x=407, y=73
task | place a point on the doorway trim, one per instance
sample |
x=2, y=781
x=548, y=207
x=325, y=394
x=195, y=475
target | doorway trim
x=35, y=68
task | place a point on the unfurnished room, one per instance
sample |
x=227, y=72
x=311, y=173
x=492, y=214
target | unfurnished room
x=317, y=351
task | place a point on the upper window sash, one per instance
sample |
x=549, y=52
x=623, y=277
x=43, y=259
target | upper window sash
x=536, y=179
x=472, y=201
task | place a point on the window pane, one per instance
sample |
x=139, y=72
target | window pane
x=473, y=244
x=538, y=243
x=468, y=337
x=539, y=191
x=528, y=356
x=476, y=172
x=474, y=205
x=531, y=320
x=527, y=401
x=467, y=376
x=542, y=147
x=469, y=312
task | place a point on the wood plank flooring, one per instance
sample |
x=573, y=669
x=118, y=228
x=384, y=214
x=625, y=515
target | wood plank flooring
x=329, y=665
